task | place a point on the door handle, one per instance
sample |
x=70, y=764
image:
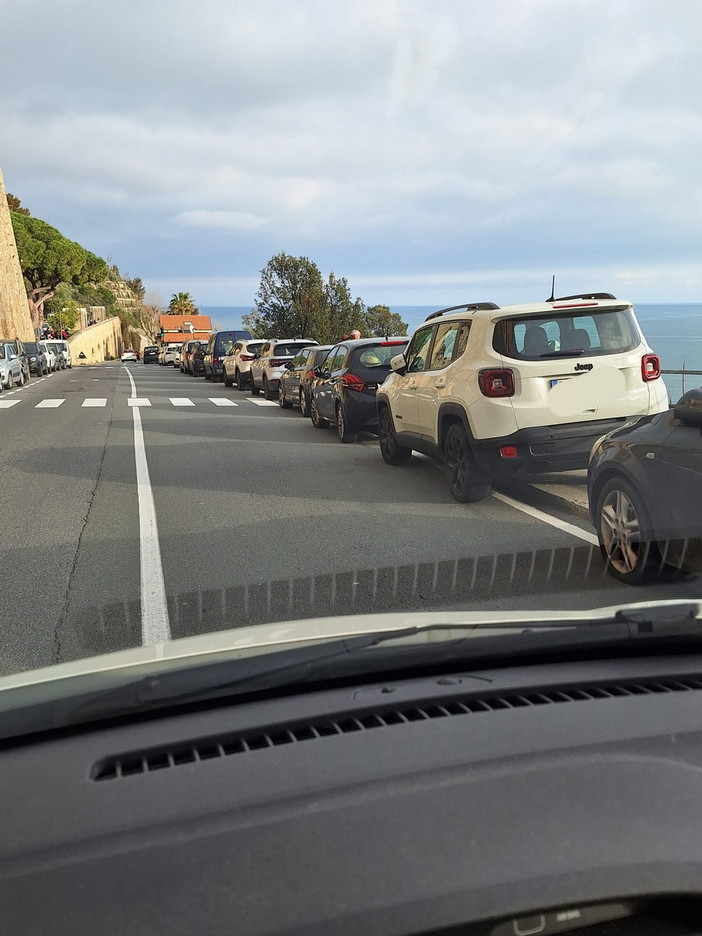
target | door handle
x=412, y=386
x=441, y=382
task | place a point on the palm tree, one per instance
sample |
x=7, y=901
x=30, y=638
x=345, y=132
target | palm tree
x=182, y=303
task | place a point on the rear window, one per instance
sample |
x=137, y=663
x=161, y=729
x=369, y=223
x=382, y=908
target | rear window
x=573, y=334
x=283, y=349
x=379, y=355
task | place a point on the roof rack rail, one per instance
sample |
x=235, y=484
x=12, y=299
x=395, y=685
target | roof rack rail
x=592, y=295
x=466, y=306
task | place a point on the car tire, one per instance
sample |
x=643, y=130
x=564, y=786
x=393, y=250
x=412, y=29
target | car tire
x=282, y=401
x=465, y=484
x=266, y=389
x=254, y=389
x=393, y=453
x=239, y=380
x=319, y=422
x=342, y=429
x=630, y=553
x=207, y=376
x=20, y=380
x=10, y=381
x=304, y=404
x=228, y=382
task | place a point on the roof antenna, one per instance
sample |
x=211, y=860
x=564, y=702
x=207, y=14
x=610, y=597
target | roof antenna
x=552, y=297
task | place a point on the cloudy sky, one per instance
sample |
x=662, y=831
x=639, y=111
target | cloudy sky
x=432, y=152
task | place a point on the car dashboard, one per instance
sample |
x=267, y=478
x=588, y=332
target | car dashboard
x=550, y=798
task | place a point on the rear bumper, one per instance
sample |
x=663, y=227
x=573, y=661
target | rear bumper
x=361, y=410
x=544, y=449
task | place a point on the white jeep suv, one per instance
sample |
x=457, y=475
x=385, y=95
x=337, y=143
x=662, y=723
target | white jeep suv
x=270, y=362
x=517, y=390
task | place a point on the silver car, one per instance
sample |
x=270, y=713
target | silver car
x=62, y=352
x=11, y=373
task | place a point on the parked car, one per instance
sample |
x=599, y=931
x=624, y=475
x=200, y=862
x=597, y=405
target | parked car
x=168, y=354
x=186, y=353
x=11, y=372
x=218, y=347
x=197, y=359
x=517, y=390
x=36, y=358
x=151, y=354
x=128, y=355
x=62, y=352
x=344, y=393
x=644, y=486
x=298, y=377
x=19, y=349
x=271, y=361
x=236, y=366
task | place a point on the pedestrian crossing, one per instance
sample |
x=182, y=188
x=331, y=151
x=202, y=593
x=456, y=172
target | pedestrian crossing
x=101, y=402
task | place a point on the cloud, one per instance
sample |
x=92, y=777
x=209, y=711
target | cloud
x=220, y=220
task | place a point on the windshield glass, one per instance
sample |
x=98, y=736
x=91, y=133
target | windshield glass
x=401, y=172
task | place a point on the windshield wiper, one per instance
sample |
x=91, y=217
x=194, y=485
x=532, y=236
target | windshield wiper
x=664, y=628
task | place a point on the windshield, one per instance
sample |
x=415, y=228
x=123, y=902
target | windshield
x=401, y=172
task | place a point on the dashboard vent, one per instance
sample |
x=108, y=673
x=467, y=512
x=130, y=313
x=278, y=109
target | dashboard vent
x=224, y=745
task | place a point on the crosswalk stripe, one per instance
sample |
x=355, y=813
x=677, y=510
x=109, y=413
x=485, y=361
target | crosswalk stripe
x=49, y=404
x=262, y=402
x=6, y=404
x=94, y=401
x=181, y=401
x=138, y=401
x=220, y=401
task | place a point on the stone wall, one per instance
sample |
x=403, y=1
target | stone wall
x=15, y=319
x=98, y=342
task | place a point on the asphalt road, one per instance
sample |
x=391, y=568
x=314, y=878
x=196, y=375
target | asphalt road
x=261, y=517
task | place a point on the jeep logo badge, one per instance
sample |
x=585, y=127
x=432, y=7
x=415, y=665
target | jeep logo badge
x=583, y=366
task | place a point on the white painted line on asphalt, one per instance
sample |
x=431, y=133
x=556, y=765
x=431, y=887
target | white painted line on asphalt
x=94, y=401
x=138, y=401
x=181, y=401
x=262, y=402
x=547, y=518
x=220, y=401
x=49, y=404
x=6, y=404
x=155, y=627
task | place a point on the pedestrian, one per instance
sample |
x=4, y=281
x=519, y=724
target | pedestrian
x=355, y=334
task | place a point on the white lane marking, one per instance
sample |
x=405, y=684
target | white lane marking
x=547, y=518
x=220, y=401
x=138, y=401
x=262, y=402
x=181, y=401
x=94, y=401
x=49, y=404
x=6, y=404
x=155, y=627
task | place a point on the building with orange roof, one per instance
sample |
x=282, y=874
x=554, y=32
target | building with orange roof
x=178, y=327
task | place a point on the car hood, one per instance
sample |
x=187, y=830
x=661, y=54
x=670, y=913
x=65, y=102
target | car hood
x=261, y=639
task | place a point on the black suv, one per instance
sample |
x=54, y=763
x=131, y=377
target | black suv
x=151, y=354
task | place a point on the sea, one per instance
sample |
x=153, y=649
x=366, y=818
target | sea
x=674, y=332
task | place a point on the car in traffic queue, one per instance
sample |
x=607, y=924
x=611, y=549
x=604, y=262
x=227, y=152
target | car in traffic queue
x=11, y=372
x=168, y=354
x=36, y=358
x=19, y=349
x=197, y=360
x=128, y=356
x=271, y=361
x=236, y=365
x=511, y=391
x=62, y=352
x=52, y=361
x=218, y=347
x=344, y=394
x=297, y=378
x=645, y=493
x=150, y=355
x=186, y=354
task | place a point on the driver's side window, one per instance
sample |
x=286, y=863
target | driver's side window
x=416, y=354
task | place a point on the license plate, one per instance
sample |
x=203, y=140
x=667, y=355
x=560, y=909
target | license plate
x=554, y=383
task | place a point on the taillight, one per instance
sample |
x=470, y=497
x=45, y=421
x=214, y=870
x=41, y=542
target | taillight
x=650, y=367
x=247, y=357
x=496, y=383
x=353, y=382
x=311, y=374
x=278, y=362
x=215, y=359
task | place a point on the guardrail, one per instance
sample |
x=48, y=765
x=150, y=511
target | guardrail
x=682, y=373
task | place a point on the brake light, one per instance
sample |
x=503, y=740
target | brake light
x=278, y=362
x=496, y=383
x=215, y=359
x=508, y=451
x=247, y=357
x=391, y=344
x=311, y=374
x=650, y=367
x=353, y=382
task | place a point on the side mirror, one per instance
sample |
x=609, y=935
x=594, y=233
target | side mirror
x=399, y=364
x=688, y=409
x=13, y=357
